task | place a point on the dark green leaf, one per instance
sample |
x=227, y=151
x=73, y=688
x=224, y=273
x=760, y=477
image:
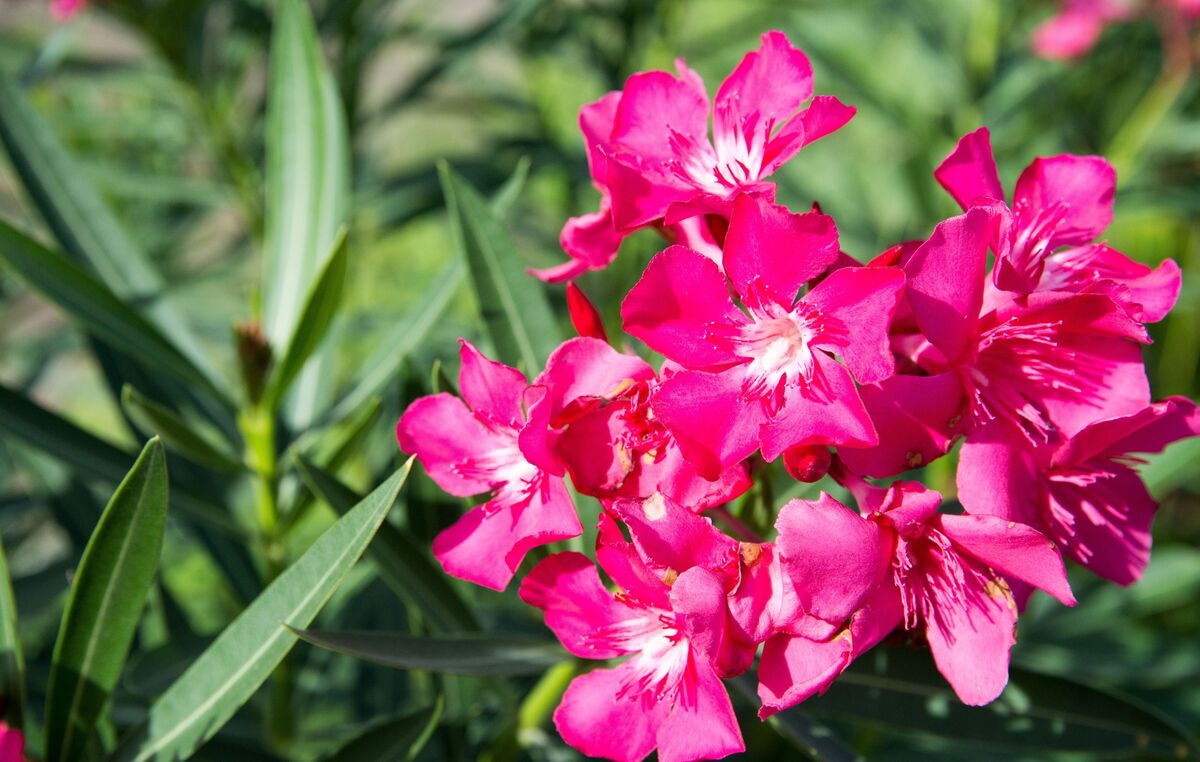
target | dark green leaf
x=459, y=655
x=246, y=652
x=175, y=433
x=403, y=564
x=401, y=738
x=105, y=604
x=512, y=303
x=12, y=660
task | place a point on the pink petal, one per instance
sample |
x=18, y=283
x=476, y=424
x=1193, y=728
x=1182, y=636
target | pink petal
x=701, y=725
x=969, y=172
x=971, y=644
x=1147, y=295
x=1123, y=391
x=654, y=107
x=591, y=451
x=567, y=587
x=493, y=390
x=839, y=420
x=824, y=116
x=674, y=475
x=917, y=418
x=765, y=601
x=1014, y=550
x=945, y=281
x=641, y=191
x=669, y=536
x=596, y=121
x=998, y=478
x=1149, y=430
x=793, y=669
x=12, y=744
x=1110, y=524
x=785, y=250
x=1067, y=35
x=598, y=721
x=713, y=427
x=584, y=367
x=625, y=567
x=1084, y=184
x=767, y=88
x=832, y=556
x=906, y=505
x=672, y=306
x=536, y=441
x=486, y=547
x=443, y=434
x=862, y=300
x=590, y=241
x=698, y=599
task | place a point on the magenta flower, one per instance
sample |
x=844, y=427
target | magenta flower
x=669, y=619
x=1043, y=366
x=63, y=10
x=1085, y=494
x=12, y=744
x=1045, y=241
x=494, y=440
x=1077, y=26
x=650, y=154
x=764, y=377
x=903, y=564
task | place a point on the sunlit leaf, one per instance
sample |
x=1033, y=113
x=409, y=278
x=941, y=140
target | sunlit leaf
x=458, y=655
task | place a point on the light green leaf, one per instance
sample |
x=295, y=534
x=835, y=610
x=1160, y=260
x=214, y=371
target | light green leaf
x=506, y=196
x=308, y=188
x=175, y=433
x=512, y=303
x=84, y=224
x=12, y=659
x=245, y=654
x=403, y=564
x=401, y=738
x=95, y=307
x=899, y=689
x=319, y=310
x=458, y=655
x=105, y=604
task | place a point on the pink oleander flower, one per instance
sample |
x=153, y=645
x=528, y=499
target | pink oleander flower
x=1077, y=26
x=12, y=744
x=65, y=9
x=609, y=440
x=494, y=440
x=1084, y=494
x=763, y=375
x=1046, y=240
x=1043, y=366
x=902, y=564
x=669, y=619
x=650, y=154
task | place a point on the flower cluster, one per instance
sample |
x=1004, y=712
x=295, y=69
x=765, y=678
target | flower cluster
x=778, y=346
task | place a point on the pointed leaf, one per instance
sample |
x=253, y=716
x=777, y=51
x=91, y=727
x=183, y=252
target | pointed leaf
x=401, y=738
x=317, y=315
x=175, y=433
x=403, y=564
x=456, y=655
x=12, y=659
x=515, y=311
x=95, y=307
x=246, y=652
x=105, y=605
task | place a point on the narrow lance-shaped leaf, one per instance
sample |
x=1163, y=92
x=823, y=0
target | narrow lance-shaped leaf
x=398, y=739
x=83, y=223
x=403, y=565
x=246, y=652
x=308, y=189
x=319, y=310
x=515, y=311
x=105, y=604
x=175, y=433
x=457, y=655
x=12, y=660
x=95, y=307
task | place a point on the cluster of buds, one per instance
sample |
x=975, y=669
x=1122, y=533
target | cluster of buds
x=779, y=346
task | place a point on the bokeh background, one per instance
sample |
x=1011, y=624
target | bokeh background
x=162, y=105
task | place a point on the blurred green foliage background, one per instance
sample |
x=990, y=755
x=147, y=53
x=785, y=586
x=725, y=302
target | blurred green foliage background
x=162, y=103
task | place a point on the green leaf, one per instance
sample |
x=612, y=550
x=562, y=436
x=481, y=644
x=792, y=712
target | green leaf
x=105, y=604
x=403, y=564
x=459, y=655
x=815, y=740
x=12, y=660
x=154, y=418
x=246, y=652
x=308, y=188
x=84, y=224
x=899, y=689
x=95, y=307
x=319, y=310
x=400, y=738
x=505, y=198
x=512, y=303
